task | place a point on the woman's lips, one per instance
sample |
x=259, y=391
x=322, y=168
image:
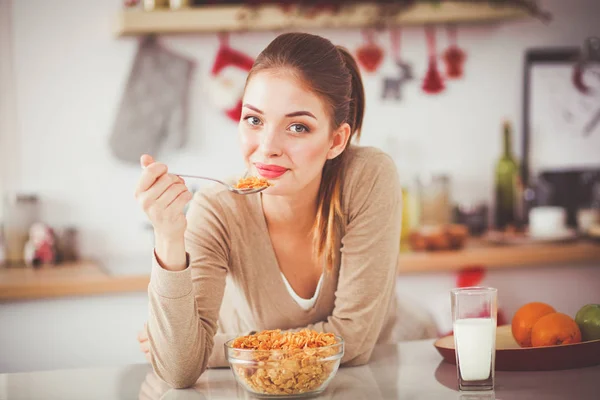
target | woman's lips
x=270, y=171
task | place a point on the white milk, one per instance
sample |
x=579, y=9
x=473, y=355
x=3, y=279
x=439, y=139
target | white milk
x=475, y=338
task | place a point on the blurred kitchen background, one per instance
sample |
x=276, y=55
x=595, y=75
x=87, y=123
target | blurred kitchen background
x=87, y=86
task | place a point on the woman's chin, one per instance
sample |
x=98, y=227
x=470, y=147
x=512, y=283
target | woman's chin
x=280, y=187
x=275, y=191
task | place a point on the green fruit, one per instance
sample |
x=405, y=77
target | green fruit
x=588, y=319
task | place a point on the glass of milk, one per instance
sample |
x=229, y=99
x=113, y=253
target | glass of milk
x=474, y=313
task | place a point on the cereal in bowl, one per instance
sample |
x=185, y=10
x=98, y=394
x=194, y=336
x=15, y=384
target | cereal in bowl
x=285, y=363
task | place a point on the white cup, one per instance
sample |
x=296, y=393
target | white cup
x=547, y=221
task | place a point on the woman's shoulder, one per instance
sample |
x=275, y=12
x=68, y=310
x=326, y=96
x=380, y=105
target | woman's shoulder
x=364, y=163
x=370, y=176
x=362, y=152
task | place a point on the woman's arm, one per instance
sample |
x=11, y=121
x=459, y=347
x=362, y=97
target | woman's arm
x=184, y=305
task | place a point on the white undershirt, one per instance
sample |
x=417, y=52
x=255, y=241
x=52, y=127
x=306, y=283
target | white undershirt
x=305, y=304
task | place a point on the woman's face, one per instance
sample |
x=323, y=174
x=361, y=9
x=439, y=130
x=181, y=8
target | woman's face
x=285, y=132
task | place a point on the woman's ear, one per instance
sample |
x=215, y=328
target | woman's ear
x=339, y=141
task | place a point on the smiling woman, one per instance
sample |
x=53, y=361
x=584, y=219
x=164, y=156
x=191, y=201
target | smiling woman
x=316, y=250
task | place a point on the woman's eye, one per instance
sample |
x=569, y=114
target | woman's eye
x=253, y=120
x=298, y=128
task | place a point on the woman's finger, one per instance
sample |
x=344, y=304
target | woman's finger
x=146, y=160
x=145, y=347
x=180, y=201
x=161, y=186
x=142, y=336
x=149, y=176
x=170, y=195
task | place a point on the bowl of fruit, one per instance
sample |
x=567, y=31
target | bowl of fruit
x=541, y=338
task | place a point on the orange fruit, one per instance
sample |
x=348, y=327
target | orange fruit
x=554, y=329
x=525, y=318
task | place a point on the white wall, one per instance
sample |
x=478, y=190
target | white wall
x=8, y=133
x=70, y=72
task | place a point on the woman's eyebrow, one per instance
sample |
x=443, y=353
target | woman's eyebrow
x=253, y=108
x=300, y=113
x=293, y=114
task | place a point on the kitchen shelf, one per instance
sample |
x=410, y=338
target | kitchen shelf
x=74, y=279
x=479, y=254
x=87, y=278
x=232, y=18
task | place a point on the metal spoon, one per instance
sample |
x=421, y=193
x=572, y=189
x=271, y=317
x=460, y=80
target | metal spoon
x=228, y=186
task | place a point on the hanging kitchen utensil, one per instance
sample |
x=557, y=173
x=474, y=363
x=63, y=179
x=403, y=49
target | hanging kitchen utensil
x=454, y=57
x=433, y=83
x=154, y=102
x=392, y=85
x=370, y=54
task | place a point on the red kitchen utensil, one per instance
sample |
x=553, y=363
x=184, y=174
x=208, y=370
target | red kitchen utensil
x=454, y=57
x=370, y=54
x=433, y=83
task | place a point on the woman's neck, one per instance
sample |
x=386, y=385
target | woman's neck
x=292, y=213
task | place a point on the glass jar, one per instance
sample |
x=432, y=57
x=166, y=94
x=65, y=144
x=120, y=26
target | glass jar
x=434, y=200
x=153, y=5
x=179, y=4
x=20, y=212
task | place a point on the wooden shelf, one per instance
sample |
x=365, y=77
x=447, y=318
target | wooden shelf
x=231, y=18
x=478, y=254
x=87, y=278
x=78, y=279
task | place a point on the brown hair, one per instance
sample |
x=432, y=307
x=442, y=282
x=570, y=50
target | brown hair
x=332, y=73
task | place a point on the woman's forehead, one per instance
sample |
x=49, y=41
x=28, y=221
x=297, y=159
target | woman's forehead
x=281, y=92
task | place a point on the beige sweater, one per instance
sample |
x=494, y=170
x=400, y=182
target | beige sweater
x=233, y=283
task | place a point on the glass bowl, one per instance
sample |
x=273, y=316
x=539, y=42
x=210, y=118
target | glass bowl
x=285, y=373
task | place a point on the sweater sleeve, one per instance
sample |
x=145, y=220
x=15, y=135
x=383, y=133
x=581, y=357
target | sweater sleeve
x=184, y=305
x=218, y=358
x=369, y=250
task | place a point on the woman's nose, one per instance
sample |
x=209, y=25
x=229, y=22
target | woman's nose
x=270, y=143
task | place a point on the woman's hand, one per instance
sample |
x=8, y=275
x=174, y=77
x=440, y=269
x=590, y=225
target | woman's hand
x=163, y=197
x=144, y=345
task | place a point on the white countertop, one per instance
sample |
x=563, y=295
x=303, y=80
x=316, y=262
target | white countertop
x=409, y=370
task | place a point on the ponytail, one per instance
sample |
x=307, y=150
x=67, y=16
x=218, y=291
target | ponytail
x=329, y=212
x=357, y=95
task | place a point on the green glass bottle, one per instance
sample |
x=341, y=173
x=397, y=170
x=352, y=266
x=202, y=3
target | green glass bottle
x=507, y=184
